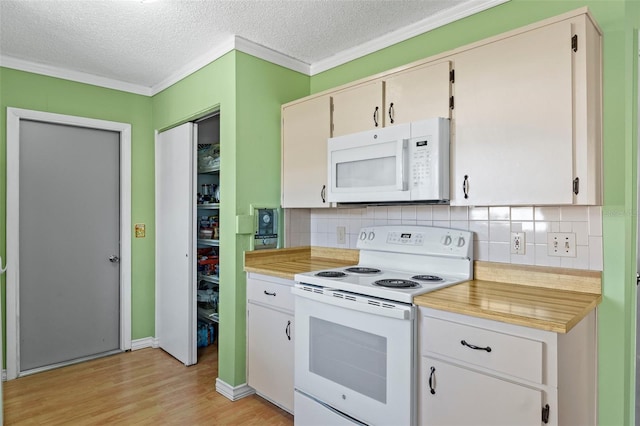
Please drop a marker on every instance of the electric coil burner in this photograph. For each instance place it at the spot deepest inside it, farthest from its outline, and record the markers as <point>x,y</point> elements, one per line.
<point>432,278</point>
<point>362,270</point>
<point>396,283</point>
<point>330,274</point>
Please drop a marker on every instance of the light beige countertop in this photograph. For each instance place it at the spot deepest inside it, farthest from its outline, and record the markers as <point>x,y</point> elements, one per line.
<point>285,263</point>
<point>553,299</point>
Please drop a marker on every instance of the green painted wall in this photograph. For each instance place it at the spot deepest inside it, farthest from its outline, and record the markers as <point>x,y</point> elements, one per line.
<point>36,92</point>
<point>619,20</point>
<point>248,92</point>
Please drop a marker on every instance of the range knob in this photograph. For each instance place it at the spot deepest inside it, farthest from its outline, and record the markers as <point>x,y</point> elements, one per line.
<point>461,241</point>
<point>363,236</point>
<point>372,235</point>
<point>447,240</point>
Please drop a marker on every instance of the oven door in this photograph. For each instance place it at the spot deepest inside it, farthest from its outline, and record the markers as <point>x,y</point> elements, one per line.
<point>369,166</point>
<point>356,357</point>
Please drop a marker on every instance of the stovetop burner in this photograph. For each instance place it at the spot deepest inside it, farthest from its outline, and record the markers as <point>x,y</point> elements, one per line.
<point>432,278</point>
<point>362,270</point>
<point>331,274</point>
<point>396,283</point>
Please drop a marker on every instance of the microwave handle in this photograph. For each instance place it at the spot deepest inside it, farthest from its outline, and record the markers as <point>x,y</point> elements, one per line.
<point>402,165</point>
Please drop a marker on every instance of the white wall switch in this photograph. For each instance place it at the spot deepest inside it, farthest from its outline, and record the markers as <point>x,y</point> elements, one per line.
<point>341,235</point>
<point>561,244</point>
<point>517,242</point>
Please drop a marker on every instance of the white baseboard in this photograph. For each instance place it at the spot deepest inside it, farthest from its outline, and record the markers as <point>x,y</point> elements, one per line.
<point>233,393</point>
<point>145,342</point>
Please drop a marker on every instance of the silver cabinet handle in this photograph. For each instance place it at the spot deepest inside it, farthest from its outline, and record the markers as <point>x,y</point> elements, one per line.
<point>114,259</point>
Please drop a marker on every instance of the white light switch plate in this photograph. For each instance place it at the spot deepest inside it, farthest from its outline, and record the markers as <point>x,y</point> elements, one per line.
<point>562,244</point>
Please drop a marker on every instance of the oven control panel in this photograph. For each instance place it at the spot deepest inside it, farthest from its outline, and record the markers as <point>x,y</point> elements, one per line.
<point>405,238</point>
<point>417,239</point>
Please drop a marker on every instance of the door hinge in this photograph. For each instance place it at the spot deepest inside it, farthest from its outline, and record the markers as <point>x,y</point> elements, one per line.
<point>452,76</point>
<point>451,103</point>
<point>574,43</point>
<point>545,414</point>
<point>576,186</point>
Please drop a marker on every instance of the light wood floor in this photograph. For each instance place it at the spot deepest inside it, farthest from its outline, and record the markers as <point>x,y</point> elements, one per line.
<point>134,388</point>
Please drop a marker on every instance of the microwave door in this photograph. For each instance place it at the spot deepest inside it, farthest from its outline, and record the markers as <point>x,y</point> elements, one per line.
<point>368,172</point>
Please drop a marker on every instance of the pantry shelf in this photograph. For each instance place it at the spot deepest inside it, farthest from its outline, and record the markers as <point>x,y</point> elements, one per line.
<point>209,278</point>
<point>208,314</point>
<point>209,206</point>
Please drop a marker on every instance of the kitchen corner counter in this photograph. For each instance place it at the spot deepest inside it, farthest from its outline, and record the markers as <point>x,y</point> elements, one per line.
<point>286,262</point>
<point>552,299</point>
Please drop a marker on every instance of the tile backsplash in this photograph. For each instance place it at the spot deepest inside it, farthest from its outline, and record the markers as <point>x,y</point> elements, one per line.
<point>492,227</point>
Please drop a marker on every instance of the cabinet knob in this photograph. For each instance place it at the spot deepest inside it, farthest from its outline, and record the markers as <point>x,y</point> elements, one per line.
<point>323,192</point>
<point>375,117</point>
<point>391,113</point>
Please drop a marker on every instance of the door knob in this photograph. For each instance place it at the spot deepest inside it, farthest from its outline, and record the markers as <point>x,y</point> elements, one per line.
<point>114,259</point>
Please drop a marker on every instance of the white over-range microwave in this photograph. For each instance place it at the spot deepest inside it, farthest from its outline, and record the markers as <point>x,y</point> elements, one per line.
<point>403,163</point>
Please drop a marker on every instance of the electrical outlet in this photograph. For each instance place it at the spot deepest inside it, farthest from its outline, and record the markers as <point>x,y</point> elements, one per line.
<point>561,244</point>
<point>341,235</point>
<point>517,242</point>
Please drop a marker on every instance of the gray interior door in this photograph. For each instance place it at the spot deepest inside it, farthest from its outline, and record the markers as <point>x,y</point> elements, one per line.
<point>69,289</point>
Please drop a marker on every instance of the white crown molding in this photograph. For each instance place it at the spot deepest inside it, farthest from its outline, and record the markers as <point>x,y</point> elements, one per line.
<point>237,43</point>
<point>448,16</point>
<point>203,60</point>
<point>77,76</point>
<point>270,55</point>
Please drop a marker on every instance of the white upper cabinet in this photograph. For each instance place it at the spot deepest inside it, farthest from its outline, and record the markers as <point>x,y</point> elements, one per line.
<point>405,96</point>
<point>418,93</point>
<point>358,109</point>
<point>306,126</point>
<point>527,118</point>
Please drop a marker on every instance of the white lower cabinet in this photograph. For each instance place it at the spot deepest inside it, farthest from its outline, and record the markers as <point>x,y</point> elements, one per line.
<point>270,338</point>
<point>460,396</point>
<point>475,371</point>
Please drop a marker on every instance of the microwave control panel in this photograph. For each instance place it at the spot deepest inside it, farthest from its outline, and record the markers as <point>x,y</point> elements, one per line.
<point>428,173</point>
<point>421,162</point>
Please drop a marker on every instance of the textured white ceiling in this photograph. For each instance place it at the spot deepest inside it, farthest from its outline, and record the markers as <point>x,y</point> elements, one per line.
<point>145,43</point>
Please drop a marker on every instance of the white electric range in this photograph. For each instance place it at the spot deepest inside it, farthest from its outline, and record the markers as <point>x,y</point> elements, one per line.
<point>356,326</point>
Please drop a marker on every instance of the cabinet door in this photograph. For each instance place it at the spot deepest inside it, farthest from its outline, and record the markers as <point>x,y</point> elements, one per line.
<point>418,94</point>
<point>270,354</point>
<point>513,120</point>
<point>306,126</point>
<point>358,109</point>
<point>465,397</point>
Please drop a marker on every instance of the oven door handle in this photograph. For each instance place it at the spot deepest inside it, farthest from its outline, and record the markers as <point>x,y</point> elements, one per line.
<point>402,313</point>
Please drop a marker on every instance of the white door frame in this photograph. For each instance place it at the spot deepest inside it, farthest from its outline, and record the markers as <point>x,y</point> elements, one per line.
<point>14,115</point>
